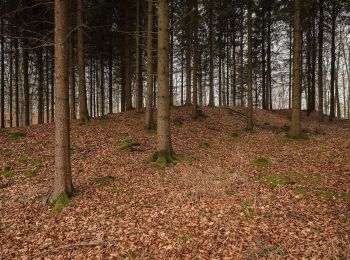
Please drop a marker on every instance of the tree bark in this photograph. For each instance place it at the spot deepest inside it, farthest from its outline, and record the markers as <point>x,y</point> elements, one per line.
<point>211,57</point>
<point>333,60</point>
<point>250,68</point>
<point>164,149</point>
<point>149,104</point>
<point>295,130</point>
<point>83,111</point>
<point>63,181</point>
<point>320,62</point>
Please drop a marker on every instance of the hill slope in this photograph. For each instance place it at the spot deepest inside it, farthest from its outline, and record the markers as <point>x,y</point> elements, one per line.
<point>232,194</point>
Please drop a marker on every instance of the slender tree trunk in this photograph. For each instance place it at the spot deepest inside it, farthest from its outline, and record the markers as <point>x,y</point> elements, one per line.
<point>47,86</point>
<point>63,180</point>
<point>72,60</point>
<point>39,55</point>
<point>171,80</point>
<point>290,57</point>
<point>263,63</point>
<point>102,87</point>
<point>11,83</point>
<point>250,68</point>
<point>195,108</point>
<point>295,130</point>
<point>333,60</point>
<point>164,149</point>
<point>53,86</point>
<point>320,62</point>
<point>242,59</point>
<point>17,82</point>
<point>220,79</point>
<point>83,111</point>
<point>138,59</point>
<point>234,63</point>
<point>110,79</point>
<point>211,57</point>
<point>182,77</point>
<point>2,76</point>
<point>268,72</point>
<point>189,46</point>
<point>25,64</point>
<point>149,107</point>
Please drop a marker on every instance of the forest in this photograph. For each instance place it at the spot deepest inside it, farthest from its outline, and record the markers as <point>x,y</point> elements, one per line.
<point>174,129</point>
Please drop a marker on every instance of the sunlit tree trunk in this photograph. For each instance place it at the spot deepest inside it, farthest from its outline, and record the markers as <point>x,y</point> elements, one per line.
<point>250,68</point>
<point>211,57</point>
<point>320,62</point>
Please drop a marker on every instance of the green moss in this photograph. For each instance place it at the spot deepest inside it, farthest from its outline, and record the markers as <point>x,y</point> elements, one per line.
<point>187,237</point>
<point>345,196</point>
<point>234,135</point>
<point>314,178</point>
<point>246,203</point>
<point>324,193</point>
<point>7,172</point>
<point>261,162</point>
<point>297,176</point>
<point>127,146</point>
<point>249,214</point>
<point>230,193</point>
<point>179,121</point>
<point>34,162</point>
<point>163,158</point>
<point>17,136</point>
<point>104,181</point>
<point>275,180</point>
<point>118,190</point>
<point>150,130</point>
<point>29,173</point>
<point>74,148</point>
<point>62,202</point>
<point>123,134</point>
<point>205,145</point>
<point>303,191</point>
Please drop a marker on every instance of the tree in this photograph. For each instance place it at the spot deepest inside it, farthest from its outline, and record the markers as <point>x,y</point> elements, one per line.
<point>320,62</point>
<point>149,100</point>
<point>250,68</point>
<point>63,185</point>
<point>295,130</point>
<point>164,153</point>
<point>83,111</point>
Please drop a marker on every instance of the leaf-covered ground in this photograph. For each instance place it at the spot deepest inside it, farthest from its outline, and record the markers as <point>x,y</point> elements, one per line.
<point>232,195</point>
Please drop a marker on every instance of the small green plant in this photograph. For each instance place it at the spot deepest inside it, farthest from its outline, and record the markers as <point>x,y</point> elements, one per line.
<point>261,162</point>
<point>62,202</point>
<point>325,193</point>
<point>205,145</point>
<point>104,181</point>
<point>179,121</point>
<point>303,191</point>
<point>29,173</point>
<point>187,238</point>
<point>17,136</point>
<point>275,180</point>
<point>34,162</point>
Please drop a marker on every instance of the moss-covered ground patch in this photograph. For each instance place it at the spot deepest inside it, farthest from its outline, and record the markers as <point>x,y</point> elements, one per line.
<point>104,180</point>
<point>7,172</point>
<point>261,162</point>
<point>62,202</point>
<point>17,136</point>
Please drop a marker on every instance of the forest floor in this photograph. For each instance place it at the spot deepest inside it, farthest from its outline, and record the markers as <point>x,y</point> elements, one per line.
<point>232,194</point>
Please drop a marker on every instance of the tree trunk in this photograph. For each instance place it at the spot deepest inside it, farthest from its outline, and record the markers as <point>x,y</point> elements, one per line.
<point>39,55</point>
<point>195,109</point>
<point>139,87</point>
<point>189,46</point>
<point>110,79</point>
<point>2,74</point>
<point>242,59</point>
<point>211,57</point>
<point>149,107</point>
<point>295,130</point>
<point>72,60</point>
<point>63,181</point>
<point>263,63</point>
<point>47,86</point>
<point>164,149</point>
<point>250,68</point>
<point>83,111</point>
<point>53,86</point>
<point>25,64</point>
<point>332,92</point>
<point>17,82</point>
<point>268,72</point>
<point>102,86</point>
<point>320,62</point>
<point>11,83</point>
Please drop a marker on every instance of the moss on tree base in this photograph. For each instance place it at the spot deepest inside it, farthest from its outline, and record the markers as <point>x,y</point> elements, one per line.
<point>164,158</point>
